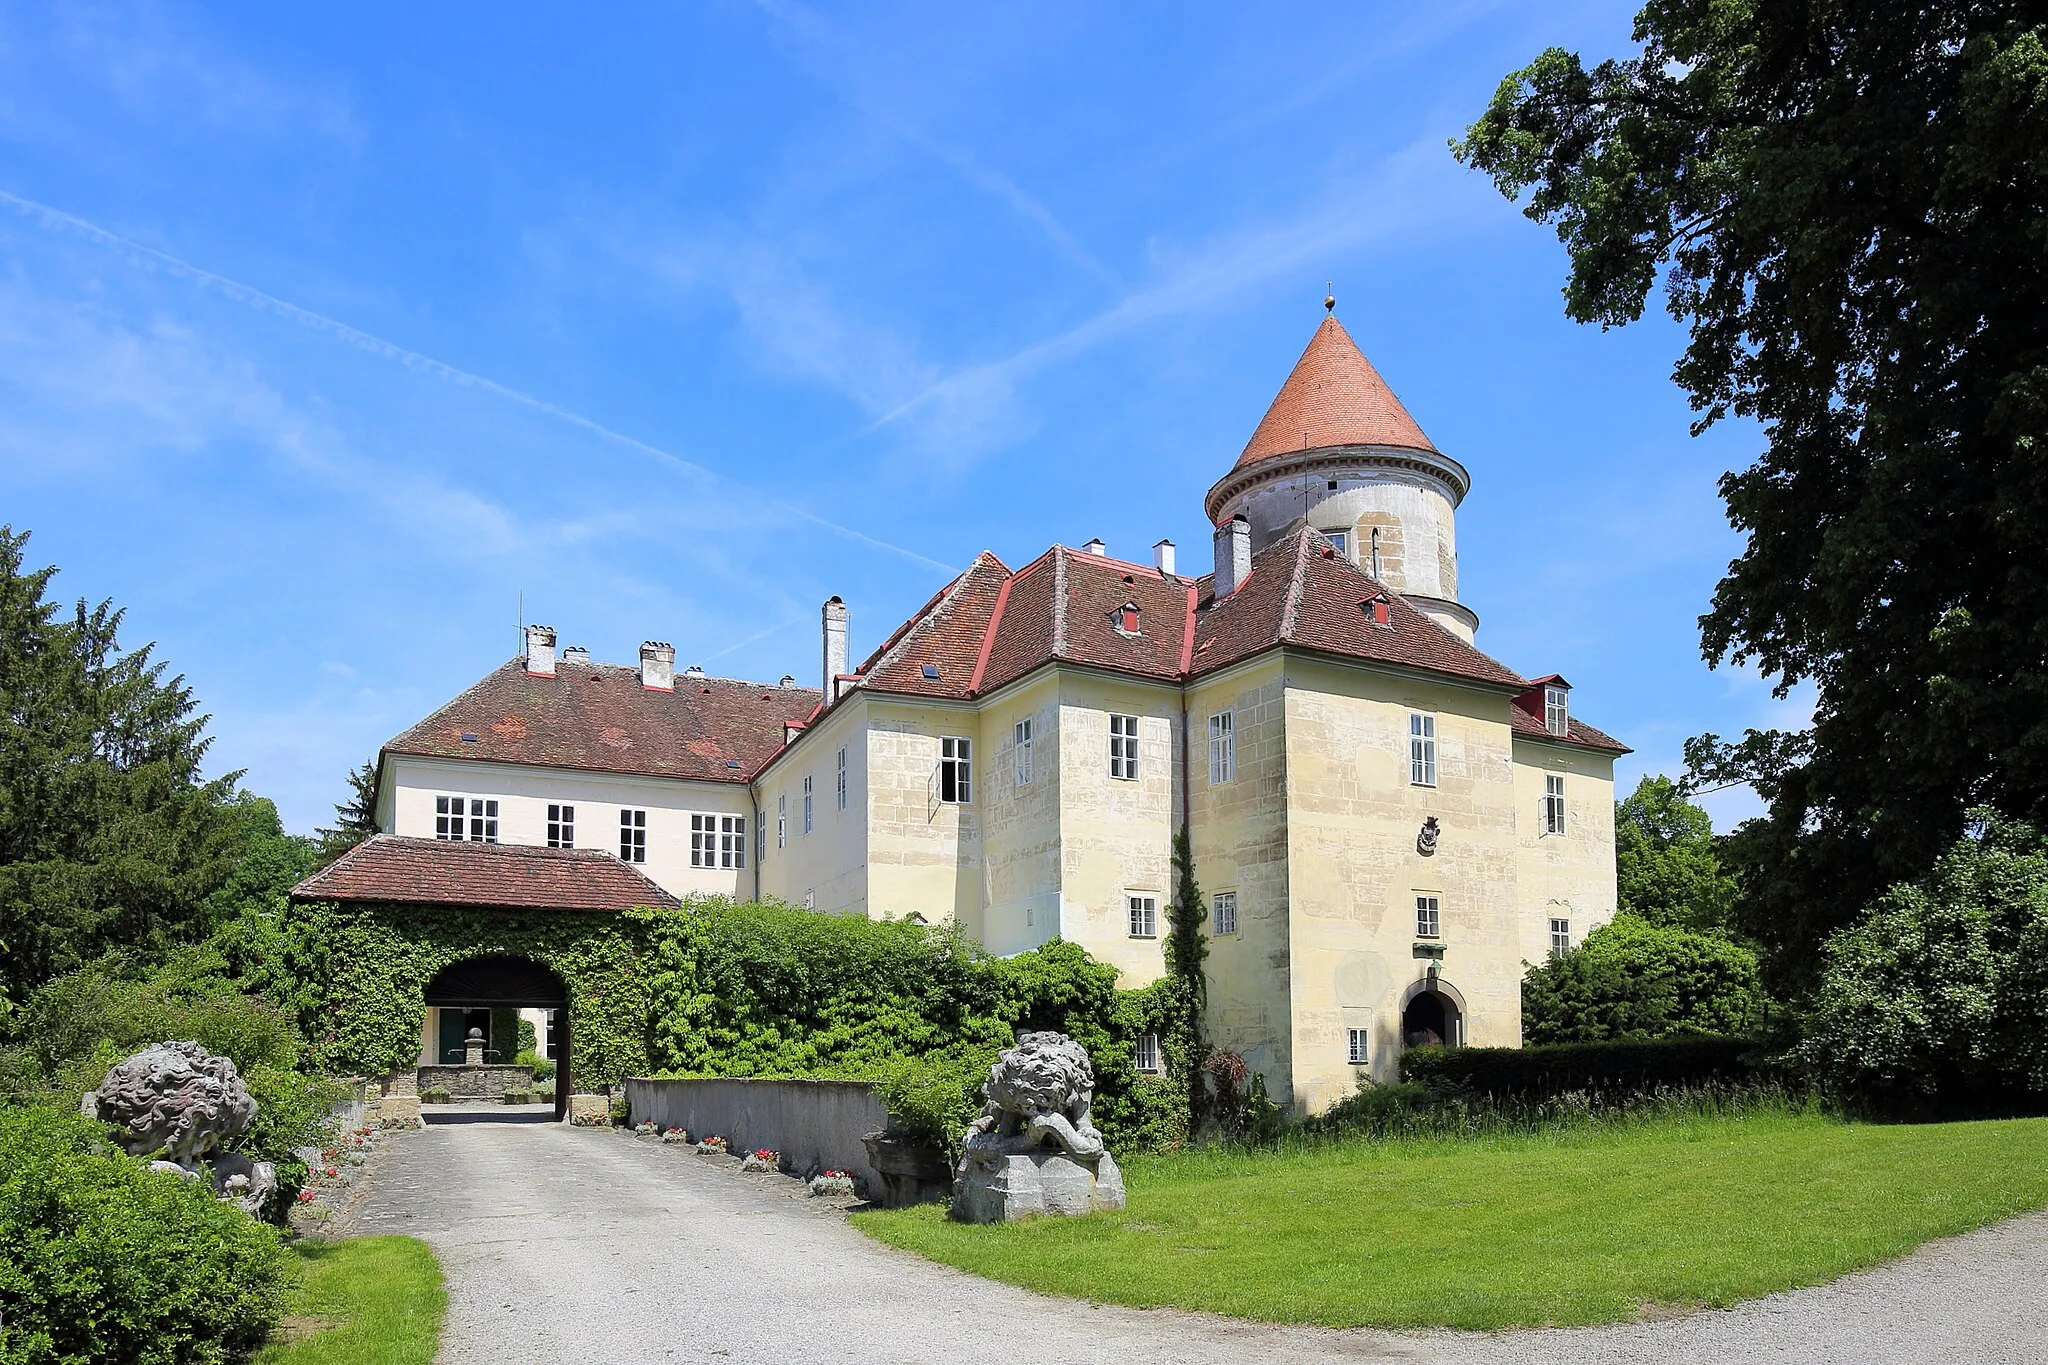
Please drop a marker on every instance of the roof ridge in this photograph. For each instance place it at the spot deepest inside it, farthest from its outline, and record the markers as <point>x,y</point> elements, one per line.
<point>988,636</point>
<point>1290,614</point>
<point>1059,604</point>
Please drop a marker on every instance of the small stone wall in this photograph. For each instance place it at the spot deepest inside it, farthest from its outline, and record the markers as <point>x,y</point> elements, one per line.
<point>476,1082</point>
<point>815,1125</point>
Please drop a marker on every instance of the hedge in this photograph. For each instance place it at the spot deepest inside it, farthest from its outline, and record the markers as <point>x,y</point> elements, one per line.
<point>1594,1068</point>
<point>103,1259</point>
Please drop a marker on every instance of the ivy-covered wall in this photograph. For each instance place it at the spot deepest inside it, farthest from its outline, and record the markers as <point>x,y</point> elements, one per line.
<point>357,977</point>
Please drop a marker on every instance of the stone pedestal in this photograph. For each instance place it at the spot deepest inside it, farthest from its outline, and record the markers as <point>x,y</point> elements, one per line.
<point>1045,1181</point>
<point>593,1111</point>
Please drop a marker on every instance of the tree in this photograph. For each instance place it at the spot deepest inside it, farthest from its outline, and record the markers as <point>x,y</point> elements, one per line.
<point>1938,998</point>
<point>1187,978</point>
<point>1849,202</point>
<point>1666,869</point>
<point>1632,979</point>
<point>354,819</point>
<point>109,835</point>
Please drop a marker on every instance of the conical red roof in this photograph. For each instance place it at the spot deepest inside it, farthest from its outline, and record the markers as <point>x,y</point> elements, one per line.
<point>1334,398</point>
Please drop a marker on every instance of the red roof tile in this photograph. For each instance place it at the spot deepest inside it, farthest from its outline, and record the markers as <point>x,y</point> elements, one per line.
<point>599,718</point>
<point>389,869</point>
<point>1334,397</point>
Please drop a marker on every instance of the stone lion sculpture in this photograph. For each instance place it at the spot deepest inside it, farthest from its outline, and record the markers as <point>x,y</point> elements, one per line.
<point>181,1104</point>
<point>1038,1092</point>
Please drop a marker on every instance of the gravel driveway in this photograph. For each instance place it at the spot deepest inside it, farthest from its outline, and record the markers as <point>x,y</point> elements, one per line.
<point>566,1244</point>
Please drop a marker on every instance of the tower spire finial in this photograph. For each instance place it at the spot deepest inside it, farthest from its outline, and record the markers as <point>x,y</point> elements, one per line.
<point>1330,298</point>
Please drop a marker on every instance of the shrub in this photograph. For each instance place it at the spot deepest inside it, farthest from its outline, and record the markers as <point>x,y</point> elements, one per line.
<point>1633,1067</point>
<point>102,1259</point>
<point>1938,999</point>
<point>1631,979</point>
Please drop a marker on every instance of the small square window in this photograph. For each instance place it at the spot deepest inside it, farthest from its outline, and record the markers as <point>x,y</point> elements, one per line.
<point>1225,907</point>
<point>1144,912</point>
<point>1428,918</point>
<point>1340,541</point>
<point>1359,1050</point>
<point>931,671</point>
<point>1148,1054</point>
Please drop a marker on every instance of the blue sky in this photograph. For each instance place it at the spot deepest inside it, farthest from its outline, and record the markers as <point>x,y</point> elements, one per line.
<point>326,337</point>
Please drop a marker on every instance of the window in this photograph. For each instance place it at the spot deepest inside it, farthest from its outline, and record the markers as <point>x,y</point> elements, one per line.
<point>810,900</point>
<point>840,795</point>
<point>1127,619</point>
<point>1553,803</point>
<point>1428,921</point>
<point>1421,750</point>
<point>718,841</point>
<point>561,826</point>
<point>1560,936</point>
<point>1557,711</point>
<point>782,821</point>
<point>760,834</point>
<point>1123,747</point>
<point>1222,748</point>
<point>1225,907</point>
<point>1144,916</point>
<point>1020,753</point>
<point>480,825</point>
<point>1148,1053</point>
<point>1361,1046</point>
<point>807,803</point>
<point>1340,541</point>
<point>633,836</point>
<point>956,770</point>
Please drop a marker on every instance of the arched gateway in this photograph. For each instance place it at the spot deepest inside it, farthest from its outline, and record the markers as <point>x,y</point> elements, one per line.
<point>425,940</point>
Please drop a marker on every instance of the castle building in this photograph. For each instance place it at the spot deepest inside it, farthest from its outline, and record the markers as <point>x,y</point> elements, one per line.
<point>1387,824</point>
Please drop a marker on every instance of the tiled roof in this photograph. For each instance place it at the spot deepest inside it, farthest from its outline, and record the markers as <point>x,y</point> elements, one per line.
<point>944,636</point>
<point>1334,397</point>
<point>598,717</point>
<point>388,869</point>
<point>1525,717</point>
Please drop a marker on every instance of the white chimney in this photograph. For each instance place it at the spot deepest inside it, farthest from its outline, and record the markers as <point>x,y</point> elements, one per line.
<point>658,666</point>
<point>694,671</point>
<point>576,654</point>
<point>1162,556</point>
<point>540,651</point>
<point>1096,547</point>
<point>1233,555</point>
<point>835,646</point>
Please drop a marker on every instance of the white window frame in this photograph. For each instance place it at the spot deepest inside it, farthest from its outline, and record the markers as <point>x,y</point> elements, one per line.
<point>466,819</point>
<point>1560,935</point>
<point>807,803</point>
<point>1223,747</point>
<point>1429,915</point>
<point>1557,710</point>
<point>1147,1055</point>
<point>1340,541</point>
<point>840,791</point>
<point>956,770</point>
<point>782,820</point>
<point>1143,909</point>
<point>1421,749</point>
<point>1223,913</point>
<point>760,834</point>
<point>1020,752</point>
<point>1123,747</point>
<point>632,835</point>
<point>1358,1046</point>
<point>718,841</point>
<point>561,825</point>
<point>1553,804</point>
<point>450,814</point>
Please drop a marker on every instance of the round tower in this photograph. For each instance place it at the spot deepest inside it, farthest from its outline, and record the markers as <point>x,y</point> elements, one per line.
<point>1338,448</point>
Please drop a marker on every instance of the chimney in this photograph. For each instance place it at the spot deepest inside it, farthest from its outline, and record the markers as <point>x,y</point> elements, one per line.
<point>1162,556</point>
<point>788,680</point>
<point>693,671</point>
<point>835,646</point>
<point>540,651</point>
<point>1096,547</point>
<point>1233,555</point>
<point>576,654</point>
<point>658,666</point>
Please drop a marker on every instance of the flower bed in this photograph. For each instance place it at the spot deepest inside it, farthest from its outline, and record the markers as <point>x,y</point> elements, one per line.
<point>675,1135</point>
<point>761,1159</point>
<point>713,1146</point>
<point>832,1182</point>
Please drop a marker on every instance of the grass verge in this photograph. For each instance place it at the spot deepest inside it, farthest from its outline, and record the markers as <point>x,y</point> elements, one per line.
<point>1591,1224</point>
<point>364,1301</point>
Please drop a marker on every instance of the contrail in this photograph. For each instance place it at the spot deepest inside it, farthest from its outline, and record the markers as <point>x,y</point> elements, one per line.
<point>251,297</point>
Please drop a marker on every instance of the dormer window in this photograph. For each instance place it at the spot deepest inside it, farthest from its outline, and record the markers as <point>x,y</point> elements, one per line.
<point>1557,715</point>
<point>1378,610</point>
<point>1127,621</point>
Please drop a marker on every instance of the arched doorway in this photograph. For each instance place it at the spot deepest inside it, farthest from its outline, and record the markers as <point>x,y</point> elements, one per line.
<point>488,993</point>
<point>1431,1018</point>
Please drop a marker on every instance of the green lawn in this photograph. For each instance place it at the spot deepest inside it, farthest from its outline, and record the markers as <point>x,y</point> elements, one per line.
<point>1586,1226</point>
<point>365,1301</point>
